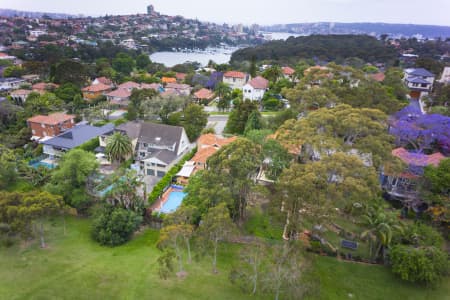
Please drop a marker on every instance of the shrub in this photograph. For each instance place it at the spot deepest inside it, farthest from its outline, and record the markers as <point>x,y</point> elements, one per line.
<point>90,145</point>
<point>158,189</point>
<point>424,264</point>
<point>114,226</point>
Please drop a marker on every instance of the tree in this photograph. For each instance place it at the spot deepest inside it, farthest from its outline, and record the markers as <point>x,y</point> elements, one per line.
<point>165,262</point>
<point>381,227</point>
<point>20,210</point>
<point>421,132</point>
<point>239,116</point>
<point>67,92</point>
<point>184,217</point>
<point>142,61</point>
<point>172,236</point>
<point>194,120</point>
<point>435,186</point>
<point>252,70</point>
<point>42,104</point>
<point>124,193</point>
<point>422,264</point>
<point>118,147</point>
<point>13,71</point>
<point>272,73</point>
<point>313,191</point>
<point>237,163</point>
<point>222,90</point>
<point>276,157</point>
<point>136,99</point>
<point>123,63</point>
<point>114,226</point>
<point>8,167</point>
<point>70,177</point>
<point>249,271</point>
<point>161,107</point>
<point>70,71</point>
<point>254,122</point>
<point>215,227</point>
<point>342,128</point>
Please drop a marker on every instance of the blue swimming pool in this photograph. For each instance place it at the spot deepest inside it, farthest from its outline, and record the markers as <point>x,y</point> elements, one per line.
<point>173,202</point>
<point>42,164</point>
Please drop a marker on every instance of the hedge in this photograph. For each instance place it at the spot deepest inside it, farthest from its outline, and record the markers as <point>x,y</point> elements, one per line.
<point>90,145</point>
<point>158,190</point>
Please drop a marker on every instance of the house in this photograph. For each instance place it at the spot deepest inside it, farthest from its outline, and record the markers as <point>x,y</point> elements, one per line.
<point>103,80</point>
<point>95,90</point>
<point>129,86</point>
<point>51,125</point>
<point>180,77</point>
<point>11,83</point>
<point>207,145</point>
<point>152,86</point>
<point>403,186</point>
<point>235,79</point>
<point>74,137</point>
<point>119,97</point>
<point>204,95</point>
<point>419,81</point>
<point>31,78</point>
<point>179,89</point>
<point>255,89</point>
<point>44,87</point>
<point>166,80</point>
<point>445,78</point>
<point>20,96</point>
<point>157,147</point>
<point>288,72</point>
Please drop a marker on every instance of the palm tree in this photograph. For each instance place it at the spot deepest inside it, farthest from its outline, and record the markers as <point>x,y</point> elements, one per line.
<point>381,228</point>
<point>118,147</point>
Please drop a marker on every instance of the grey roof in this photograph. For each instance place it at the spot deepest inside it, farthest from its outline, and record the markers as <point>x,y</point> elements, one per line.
<point>12,79</point>
<point>421,72</point>
<point>154,134</point>
<point>165,156</point>
<point>78,135</point>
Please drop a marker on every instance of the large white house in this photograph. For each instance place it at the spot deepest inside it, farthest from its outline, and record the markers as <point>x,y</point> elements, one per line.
<point>235,79</point>
<point>157,147</point>
<point>255,89</point>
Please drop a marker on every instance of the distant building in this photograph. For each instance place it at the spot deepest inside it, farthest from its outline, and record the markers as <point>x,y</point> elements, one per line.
<point>95,90</point>
<point>11,83</point>
<point>51,125</point>
<point>445,78</point>
<point>150,9</point>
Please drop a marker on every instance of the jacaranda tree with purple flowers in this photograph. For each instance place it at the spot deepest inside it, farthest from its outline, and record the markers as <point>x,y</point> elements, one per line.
<point>421,132</point>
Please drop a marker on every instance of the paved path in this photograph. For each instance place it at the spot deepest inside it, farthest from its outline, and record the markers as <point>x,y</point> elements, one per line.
<point>218,122</point>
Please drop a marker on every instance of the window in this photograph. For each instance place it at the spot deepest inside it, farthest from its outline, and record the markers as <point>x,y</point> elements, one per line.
<point>150,172</point>
<point>145,145</point>
<point>42,125</point>
<point>33,131</point>
<point>161,166</point>
<point>142,154</point>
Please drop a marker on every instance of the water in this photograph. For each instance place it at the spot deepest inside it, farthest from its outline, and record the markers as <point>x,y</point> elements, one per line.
<point>173,202</point>
<point>170,59</point>
<point>42,164</point>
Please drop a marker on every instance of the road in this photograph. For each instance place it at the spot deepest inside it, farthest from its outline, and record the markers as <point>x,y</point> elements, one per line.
<point>218,122</point>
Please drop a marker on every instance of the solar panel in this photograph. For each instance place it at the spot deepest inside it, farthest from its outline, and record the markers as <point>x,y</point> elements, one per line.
<point>349,244</point>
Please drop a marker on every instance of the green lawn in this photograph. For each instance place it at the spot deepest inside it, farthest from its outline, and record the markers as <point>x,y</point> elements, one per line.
<point>74,267</point>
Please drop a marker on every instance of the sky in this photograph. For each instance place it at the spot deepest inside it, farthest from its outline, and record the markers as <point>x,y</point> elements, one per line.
<point>264,12</point>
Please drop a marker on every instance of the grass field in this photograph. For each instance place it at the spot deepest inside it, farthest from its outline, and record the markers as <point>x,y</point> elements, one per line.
<point>74,267</point>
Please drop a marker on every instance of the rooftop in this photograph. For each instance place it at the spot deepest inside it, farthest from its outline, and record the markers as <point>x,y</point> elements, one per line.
<point>259,83</point>
<point>418,159</point>
<point>52,119</point>
<point>234,74</point>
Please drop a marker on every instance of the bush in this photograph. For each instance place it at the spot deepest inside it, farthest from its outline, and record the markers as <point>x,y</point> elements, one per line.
<point>424,264</point>
<point>90,146</point>
<point>422,235</point>
<point>158,189</point>
<point>114,226</point>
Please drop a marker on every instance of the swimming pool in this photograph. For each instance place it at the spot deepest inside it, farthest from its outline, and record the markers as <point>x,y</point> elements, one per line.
<point>173,202</point>
<point>42,164</point>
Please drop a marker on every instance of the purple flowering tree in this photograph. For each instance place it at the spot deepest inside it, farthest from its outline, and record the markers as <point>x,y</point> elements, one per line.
<point>422,132</point>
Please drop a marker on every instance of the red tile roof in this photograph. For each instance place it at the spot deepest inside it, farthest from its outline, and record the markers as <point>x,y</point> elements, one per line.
<point>180,76</point>
<point>288,71</point>
<point>100,87</point>
<point>204,94</point>
<point>259,83</point>
<point>203,154</point>
<point>378,76</point>
<point>52,119</point>
<point>418,159</point>
<point>149,86</point>
<point>104,80</point>
<point>120,93</point>
<point>234,74</point>
<point>41,86</point>
<point>206,140</point>
<point>129,85</point>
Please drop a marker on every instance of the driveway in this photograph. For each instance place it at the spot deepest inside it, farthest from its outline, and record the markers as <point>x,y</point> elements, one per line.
<point>217,122</point>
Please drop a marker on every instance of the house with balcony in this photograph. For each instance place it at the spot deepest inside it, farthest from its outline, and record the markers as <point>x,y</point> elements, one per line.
<point>56,146</point>
<point>235,79</point>
<point>419,81</point>
<point>403,186</point>
<point>49,126</point>
<point>255,89</point>
<point>157,147</point>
